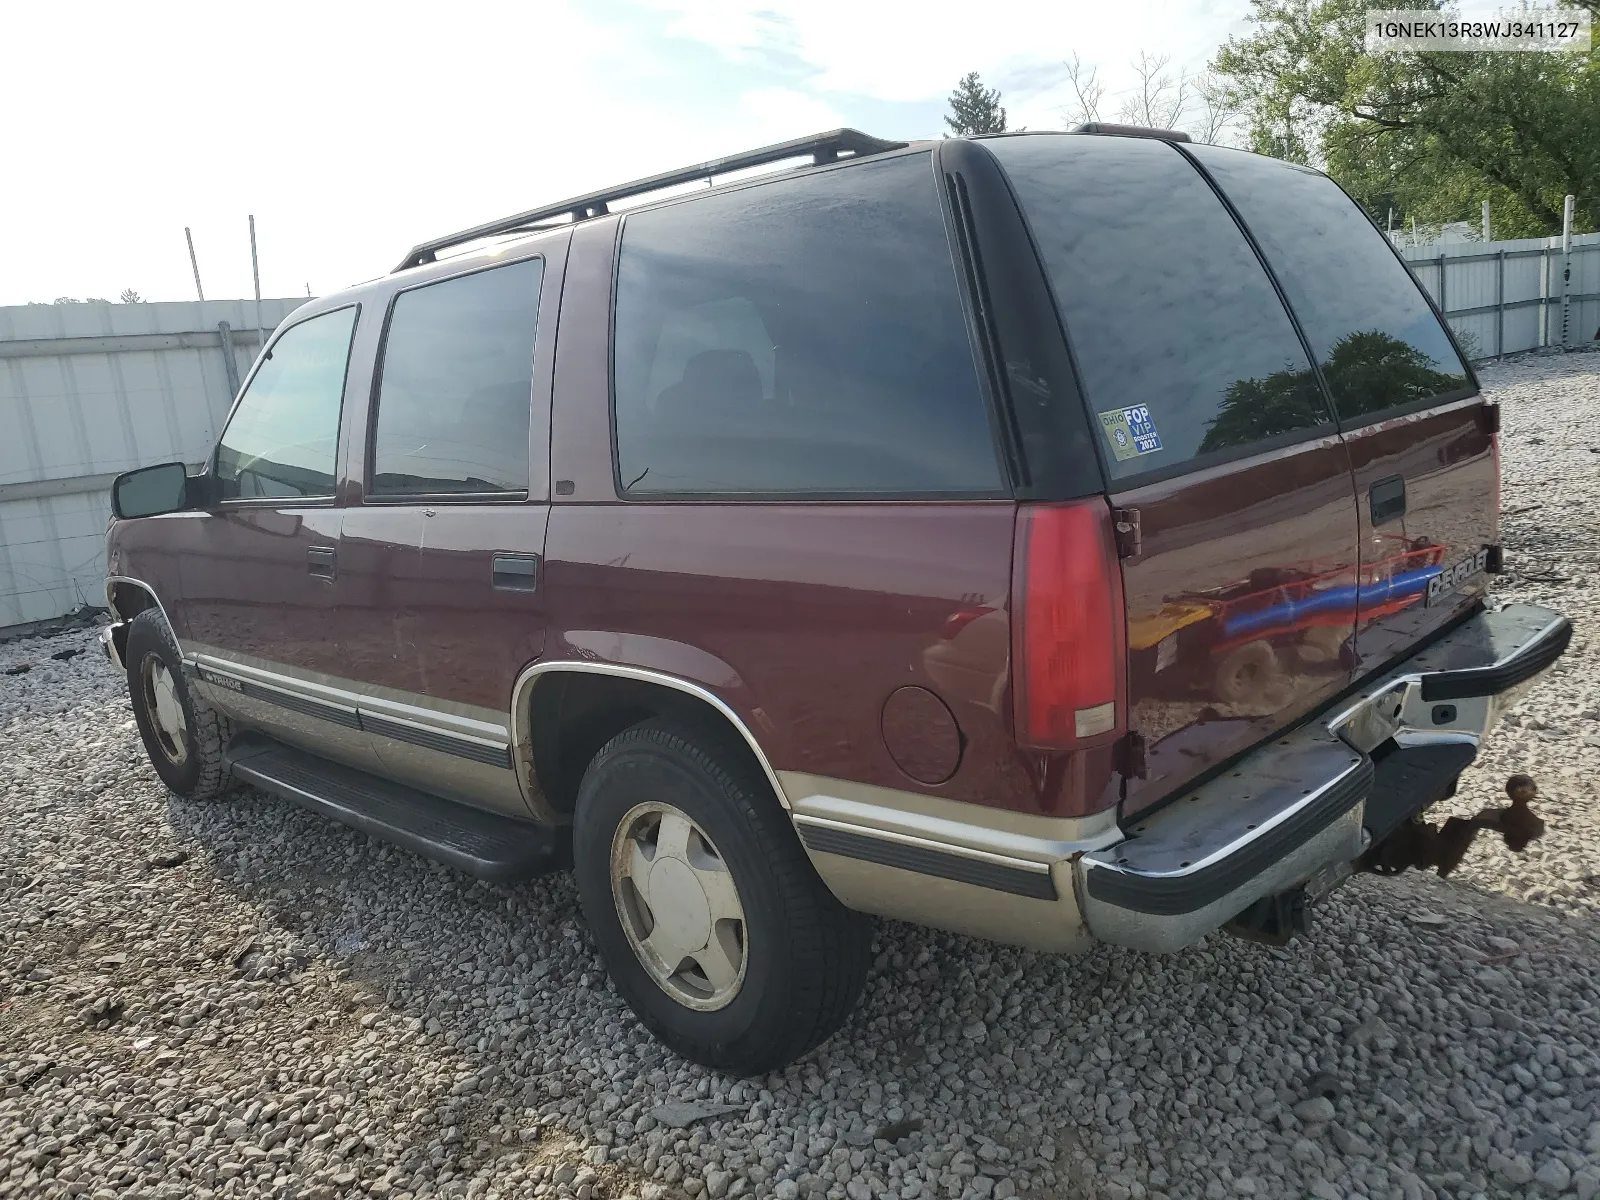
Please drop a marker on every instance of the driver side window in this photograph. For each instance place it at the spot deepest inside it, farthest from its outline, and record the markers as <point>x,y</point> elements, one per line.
<point>284,435</point>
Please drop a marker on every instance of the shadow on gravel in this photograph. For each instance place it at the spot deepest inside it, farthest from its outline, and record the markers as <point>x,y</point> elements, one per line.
<point>1424,1031</point>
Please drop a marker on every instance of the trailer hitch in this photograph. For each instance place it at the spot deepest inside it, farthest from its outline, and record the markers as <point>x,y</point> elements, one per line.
<point>1426,846</point>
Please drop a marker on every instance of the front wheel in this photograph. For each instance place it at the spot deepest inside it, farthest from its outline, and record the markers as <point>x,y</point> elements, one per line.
<point>711,920</point>
<point>183,735</point>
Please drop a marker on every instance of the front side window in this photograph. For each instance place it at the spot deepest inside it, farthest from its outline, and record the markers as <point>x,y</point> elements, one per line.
<point>455,397</point>
<point>1378,342</point>
<point>284,434</point>
<point>1183,347</point>
<point>798,336</point>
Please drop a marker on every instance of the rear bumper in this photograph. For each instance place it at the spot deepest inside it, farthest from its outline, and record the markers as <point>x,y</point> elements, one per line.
<point>1294,812</point>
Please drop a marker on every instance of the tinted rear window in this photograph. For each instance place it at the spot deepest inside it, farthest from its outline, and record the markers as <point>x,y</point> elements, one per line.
<point>1183,347</point>
<point>803,335</point>
<point>1374,335</point>
<point>455,398</point>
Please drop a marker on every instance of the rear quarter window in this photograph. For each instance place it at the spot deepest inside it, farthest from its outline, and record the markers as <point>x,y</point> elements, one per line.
<point>1376,338</point>
<point>1183,348</point>
<point>798,336</point>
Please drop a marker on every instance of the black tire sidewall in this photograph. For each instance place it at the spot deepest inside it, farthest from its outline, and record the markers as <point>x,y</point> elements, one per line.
<point>641,770</point>
<point>147,637</point>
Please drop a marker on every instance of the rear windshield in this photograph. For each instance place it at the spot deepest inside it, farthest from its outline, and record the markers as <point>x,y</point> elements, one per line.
<point>1183,348</point>
<point>1378,342</point>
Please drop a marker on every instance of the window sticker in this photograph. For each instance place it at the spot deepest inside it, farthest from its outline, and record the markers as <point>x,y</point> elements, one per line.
<point>1131,431</point>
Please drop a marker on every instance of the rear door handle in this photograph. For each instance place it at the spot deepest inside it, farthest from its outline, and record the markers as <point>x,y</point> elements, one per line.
<point>1387,499</point>
<point>516,572</point>
<point>319,561</point>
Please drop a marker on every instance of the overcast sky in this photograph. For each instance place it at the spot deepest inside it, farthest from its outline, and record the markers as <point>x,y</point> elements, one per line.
<point>353,130</point>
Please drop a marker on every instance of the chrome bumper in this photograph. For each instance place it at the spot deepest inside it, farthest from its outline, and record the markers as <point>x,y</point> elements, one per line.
<point>112,638</point>
<point>1290,810</point>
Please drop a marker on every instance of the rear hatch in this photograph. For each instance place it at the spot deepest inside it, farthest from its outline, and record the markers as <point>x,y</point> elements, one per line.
<point>1256,426</point>
<point>1422,442</point>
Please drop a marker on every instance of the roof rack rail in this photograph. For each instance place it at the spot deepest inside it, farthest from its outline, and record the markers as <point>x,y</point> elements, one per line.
<point>1166,135</point>
<point>823,148</point>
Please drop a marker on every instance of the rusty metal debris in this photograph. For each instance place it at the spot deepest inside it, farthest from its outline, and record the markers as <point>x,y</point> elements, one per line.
<point>1426,846</point>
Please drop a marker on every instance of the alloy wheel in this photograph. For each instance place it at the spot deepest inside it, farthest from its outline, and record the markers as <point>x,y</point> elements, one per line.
<point>679,906</point>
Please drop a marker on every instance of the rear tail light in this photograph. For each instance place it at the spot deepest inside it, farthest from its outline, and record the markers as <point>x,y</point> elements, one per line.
<point>1069,680</point>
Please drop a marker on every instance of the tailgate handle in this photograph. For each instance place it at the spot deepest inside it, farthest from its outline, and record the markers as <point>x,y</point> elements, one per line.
<point>319,561</point>
<point>516,572</point>
<point>1387,498</point>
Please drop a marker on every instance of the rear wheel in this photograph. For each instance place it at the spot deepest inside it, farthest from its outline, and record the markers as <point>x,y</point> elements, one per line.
<point>712,922</point>
<point>183,735</point>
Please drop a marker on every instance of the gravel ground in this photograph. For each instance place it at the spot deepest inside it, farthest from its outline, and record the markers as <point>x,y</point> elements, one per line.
<point>246,1000</point>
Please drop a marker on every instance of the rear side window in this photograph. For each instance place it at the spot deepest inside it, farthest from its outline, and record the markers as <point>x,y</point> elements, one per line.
<point>284,433</point>
<point>455,398</point>
<point>1183,348</point>
<point>1376,338</point>
<point>803,335</point>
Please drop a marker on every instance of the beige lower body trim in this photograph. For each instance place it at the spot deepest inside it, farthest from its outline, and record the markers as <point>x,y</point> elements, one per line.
<point>990,873</point>
<point>453,750</point>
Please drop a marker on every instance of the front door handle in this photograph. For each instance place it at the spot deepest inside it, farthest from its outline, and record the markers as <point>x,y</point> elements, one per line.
<point>515,572</point>
<point>319,561</point>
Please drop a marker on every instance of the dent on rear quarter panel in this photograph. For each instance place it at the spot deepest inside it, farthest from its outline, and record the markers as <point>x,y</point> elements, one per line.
<point>805,618</point>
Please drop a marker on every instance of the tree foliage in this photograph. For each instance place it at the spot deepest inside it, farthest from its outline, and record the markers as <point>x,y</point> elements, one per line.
<point>974,108</point>
<point>1430,135</point>
<point>1368,371</point>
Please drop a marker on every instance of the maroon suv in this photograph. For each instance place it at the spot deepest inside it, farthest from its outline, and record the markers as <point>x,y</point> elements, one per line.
<point>1053,538</point>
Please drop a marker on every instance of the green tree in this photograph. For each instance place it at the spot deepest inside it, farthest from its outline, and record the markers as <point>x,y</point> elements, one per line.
<point>1430,134</point>
<point>1368,371</point>
<point>1254,409</point>
<point>975,108</point>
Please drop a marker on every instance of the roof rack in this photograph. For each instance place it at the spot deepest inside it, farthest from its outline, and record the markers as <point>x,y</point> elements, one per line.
<point>1166,135</point>
<point>823,148</point>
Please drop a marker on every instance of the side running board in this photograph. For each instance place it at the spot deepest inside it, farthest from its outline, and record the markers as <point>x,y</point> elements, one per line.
<point>491,846</point>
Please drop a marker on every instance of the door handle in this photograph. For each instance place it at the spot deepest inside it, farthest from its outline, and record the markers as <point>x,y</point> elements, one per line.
<point>319,561</point>
<point>515,572</point>
<point>1387,499</point>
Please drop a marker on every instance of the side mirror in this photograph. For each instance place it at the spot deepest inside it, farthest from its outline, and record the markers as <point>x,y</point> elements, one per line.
<point>150,491</point>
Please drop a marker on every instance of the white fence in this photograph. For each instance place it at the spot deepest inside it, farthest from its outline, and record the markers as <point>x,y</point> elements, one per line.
<point>90,390</point>
<point>1503,297</point>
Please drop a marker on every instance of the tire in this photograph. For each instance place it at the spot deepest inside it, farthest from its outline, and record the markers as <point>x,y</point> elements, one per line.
<point>802,956</point>
<point>190,761</point>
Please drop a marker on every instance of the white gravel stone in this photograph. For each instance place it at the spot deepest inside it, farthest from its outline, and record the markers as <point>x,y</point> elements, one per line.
<point>295,1009</point>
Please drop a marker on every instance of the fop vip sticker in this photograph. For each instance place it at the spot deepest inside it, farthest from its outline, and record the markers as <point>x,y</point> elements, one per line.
<point>1131,431</point>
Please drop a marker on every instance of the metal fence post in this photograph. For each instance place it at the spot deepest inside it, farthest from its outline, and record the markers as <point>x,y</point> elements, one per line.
<point>1566,274</point>
<point>1499,303</point>
<point>1444,309</point>
<point>229,363</point>
<point>1544,295</point>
